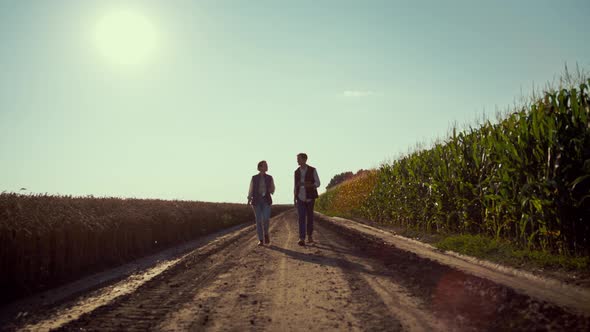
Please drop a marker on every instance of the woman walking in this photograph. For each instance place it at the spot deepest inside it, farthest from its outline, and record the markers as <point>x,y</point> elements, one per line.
<point>261,187</point>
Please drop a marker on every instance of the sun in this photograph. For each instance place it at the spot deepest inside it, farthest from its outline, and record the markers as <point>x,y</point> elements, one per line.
<point>126,37</point>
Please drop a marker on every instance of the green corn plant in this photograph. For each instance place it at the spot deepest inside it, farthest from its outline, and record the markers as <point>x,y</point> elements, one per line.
<point>525,179</point>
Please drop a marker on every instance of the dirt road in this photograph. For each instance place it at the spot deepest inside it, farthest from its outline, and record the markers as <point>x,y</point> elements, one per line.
<point>343,281</point>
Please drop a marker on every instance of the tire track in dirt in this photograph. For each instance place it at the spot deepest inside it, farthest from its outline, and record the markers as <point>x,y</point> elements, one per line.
<point>462,301</point>
<point>346,280</point>
<point>236,285</point>
<point>264,291</point>
<point>66,303</point>
<point>231,296</point>
<point>543,289</point>
<point>285,287</point>
<point>412,312</point>
<point>143,309</point>
<point>309,286</point>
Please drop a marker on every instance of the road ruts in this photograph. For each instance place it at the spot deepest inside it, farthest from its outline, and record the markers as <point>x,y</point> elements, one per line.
<point>344,281</point>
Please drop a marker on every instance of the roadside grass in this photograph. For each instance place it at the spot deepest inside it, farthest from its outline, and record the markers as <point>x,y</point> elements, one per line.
<point>568,269</point>
<point>506,253</point>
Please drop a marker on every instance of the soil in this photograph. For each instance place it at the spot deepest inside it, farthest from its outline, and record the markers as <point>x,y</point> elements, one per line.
<point>580,277</point>
<point>348,279</point>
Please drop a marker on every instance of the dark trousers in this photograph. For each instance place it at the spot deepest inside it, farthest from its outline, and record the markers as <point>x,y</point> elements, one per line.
<point>305,212</point>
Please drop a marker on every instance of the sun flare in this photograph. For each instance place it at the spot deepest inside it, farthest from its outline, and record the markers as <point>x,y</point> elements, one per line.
<point>126,37</point>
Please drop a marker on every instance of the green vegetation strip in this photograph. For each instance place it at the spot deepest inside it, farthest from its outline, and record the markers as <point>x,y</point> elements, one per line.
<point>506,253</point>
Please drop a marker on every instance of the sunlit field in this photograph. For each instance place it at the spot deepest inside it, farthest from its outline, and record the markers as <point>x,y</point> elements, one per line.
<point>46,240</point>
<point>524,179</point>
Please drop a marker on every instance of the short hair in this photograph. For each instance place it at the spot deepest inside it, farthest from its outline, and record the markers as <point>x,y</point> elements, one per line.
<point>302,155</point>
<point>260,163</point>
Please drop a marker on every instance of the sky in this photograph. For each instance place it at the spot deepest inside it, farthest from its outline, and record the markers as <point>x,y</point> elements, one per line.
<point>181,99</point>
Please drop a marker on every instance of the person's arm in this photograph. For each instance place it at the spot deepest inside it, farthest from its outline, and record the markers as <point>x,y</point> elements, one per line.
<point>251,191</point>
<point>272,185</point>
<point>295,190</point>
<point>316,178</point>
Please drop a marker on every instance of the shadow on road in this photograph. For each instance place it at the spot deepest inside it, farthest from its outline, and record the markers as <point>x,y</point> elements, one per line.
<point>326,261</point>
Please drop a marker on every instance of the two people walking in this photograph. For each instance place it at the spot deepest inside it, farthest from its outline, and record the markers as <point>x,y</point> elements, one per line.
<point>306,182</point>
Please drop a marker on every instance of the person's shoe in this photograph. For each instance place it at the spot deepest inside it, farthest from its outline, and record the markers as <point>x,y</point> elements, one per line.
<point>301,242</point>
<point>260,243</point>
<point>266,239</point>
<point>309,239</point>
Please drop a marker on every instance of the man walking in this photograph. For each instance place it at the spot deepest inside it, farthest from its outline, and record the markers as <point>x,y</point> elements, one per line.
<point>305,192</point>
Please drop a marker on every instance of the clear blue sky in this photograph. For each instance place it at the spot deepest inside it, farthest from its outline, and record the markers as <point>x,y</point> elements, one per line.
<point>182,102</point>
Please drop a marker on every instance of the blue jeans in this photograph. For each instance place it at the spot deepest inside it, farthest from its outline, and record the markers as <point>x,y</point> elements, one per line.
<point>262,212</point>
<point>305,213</point>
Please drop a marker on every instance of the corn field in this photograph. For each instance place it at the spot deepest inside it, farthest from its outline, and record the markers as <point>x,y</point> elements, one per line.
<point>48,240</point>
<point>346,199</point>
<point>525,179</point>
